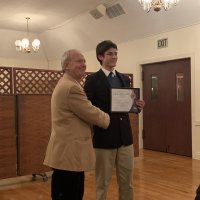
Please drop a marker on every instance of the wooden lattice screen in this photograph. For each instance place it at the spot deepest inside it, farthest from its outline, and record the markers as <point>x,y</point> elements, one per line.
<point>6,81</point>
<point>32,81</point>
<point>39,81</point>
<point>35,81</point>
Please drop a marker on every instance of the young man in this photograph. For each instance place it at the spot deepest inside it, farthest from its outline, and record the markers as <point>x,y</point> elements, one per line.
<point>113,146</point>
<point>70,150</point>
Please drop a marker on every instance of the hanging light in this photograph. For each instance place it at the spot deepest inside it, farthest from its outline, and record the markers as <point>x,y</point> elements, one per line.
<point>24,44</point>
<point>157,4</point>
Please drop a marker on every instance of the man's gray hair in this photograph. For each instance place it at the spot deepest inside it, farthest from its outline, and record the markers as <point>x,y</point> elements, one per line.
<point>66,57</point>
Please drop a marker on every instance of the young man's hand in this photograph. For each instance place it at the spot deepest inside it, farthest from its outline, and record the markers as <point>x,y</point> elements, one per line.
<point>140,104</point>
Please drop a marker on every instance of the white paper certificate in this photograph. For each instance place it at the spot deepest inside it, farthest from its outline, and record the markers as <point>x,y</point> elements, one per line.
<point>122,99</point>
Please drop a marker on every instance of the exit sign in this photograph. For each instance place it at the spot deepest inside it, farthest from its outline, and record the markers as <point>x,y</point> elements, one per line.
<point>162,43</point>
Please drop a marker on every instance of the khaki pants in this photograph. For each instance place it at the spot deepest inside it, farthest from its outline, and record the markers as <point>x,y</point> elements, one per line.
<point>106,160</point>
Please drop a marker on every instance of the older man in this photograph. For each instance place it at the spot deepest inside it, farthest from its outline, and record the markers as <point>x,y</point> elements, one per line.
<point>70,150</point>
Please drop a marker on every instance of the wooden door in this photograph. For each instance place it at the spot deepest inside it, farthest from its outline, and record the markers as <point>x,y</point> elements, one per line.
<point>167,114</point>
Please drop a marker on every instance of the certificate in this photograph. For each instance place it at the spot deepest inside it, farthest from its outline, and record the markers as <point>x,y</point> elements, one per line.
<point>123,99</point>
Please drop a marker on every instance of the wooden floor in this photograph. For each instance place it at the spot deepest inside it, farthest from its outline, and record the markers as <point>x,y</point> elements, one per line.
<point>156,176</point>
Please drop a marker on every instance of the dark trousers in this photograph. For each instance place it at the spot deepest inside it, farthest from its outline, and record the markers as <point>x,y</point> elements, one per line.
<point>197,193</point>
<point>67,185</point>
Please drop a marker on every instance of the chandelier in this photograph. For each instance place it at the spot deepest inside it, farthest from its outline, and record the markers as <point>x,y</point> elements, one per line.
<point>157,4</point>
<point>24,44</point>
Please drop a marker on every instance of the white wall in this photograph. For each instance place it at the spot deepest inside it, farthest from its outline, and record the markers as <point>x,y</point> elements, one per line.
<point>5,62</point>
<point>9,57</point>
<point>181,43</point>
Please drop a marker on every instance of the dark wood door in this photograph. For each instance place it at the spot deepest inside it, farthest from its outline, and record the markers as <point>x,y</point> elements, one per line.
<point>167,113</point>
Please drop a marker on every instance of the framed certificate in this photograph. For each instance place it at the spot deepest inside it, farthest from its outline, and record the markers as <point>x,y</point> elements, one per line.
<point>123,99</point>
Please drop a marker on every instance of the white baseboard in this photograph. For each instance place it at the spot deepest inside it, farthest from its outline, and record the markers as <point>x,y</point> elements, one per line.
<point>196,156</point>
<point>197,123</point>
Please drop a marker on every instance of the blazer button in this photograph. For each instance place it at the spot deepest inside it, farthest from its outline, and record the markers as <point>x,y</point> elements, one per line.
<point>121,119</point>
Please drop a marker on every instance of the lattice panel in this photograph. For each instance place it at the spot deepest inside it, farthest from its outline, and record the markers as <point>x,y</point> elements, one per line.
<point>82,83</point>
<point>35,81</point>
<point>5,80</point>
<point>54,77</point>
<point>131,78</point>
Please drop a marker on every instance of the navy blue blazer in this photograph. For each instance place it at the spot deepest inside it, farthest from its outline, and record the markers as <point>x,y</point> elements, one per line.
<point>97,89</point>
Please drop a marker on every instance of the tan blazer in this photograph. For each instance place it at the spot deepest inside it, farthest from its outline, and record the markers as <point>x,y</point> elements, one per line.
<point>70,145</point>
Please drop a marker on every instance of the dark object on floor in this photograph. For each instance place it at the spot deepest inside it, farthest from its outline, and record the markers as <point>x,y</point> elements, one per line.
<point>197,193</point>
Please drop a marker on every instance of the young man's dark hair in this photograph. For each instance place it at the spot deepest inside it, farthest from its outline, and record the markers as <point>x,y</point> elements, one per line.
<point>103,46</point>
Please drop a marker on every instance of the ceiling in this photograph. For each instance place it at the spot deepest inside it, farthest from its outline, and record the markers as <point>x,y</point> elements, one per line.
<point>70,23</point>
<point>44,14</point>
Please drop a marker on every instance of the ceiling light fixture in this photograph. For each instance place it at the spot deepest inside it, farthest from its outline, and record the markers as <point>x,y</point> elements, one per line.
<point>24,44</point>
<point>157,4</point>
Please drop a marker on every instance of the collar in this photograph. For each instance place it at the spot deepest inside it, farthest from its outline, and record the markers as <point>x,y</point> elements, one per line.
<point>66,75</point>
<point>106,72</point>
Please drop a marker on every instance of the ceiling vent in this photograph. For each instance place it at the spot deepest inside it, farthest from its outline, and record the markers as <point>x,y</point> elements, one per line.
<point>115,10</point>
<point>98,12</point>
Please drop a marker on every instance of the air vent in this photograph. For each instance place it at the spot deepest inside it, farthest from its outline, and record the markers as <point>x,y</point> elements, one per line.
<point>115,10</point>
<point>98,12</point>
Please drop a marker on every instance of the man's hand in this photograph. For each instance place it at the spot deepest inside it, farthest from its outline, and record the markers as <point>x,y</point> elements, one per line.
<point>140,104</point>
